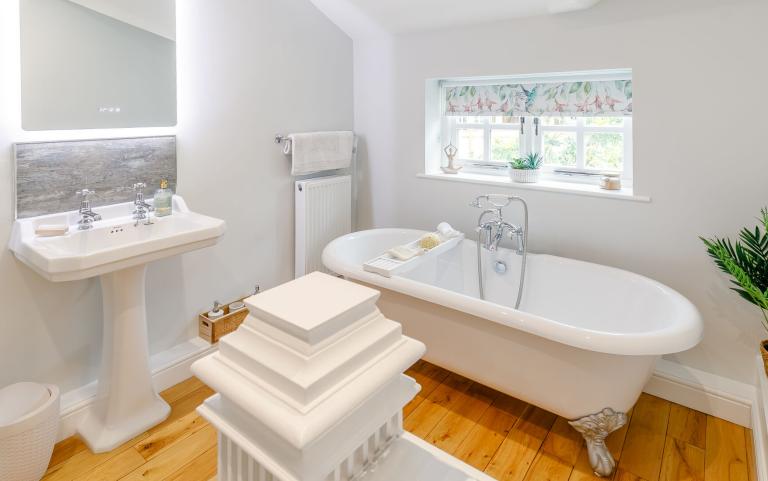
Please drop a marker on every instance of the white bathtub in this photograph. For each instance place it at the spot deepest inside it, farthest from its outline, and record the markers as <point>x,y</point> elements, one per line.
<point>586,336</point>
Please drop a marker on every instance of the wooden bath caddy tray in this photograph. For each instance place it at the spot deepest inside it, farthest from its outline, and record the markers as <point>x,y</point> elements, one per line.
<point>213,330</point>
<point>386,265</point>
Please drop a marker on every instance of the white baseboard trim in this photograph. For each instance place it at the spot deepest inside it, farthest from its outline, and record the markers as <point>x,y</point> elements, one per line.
<point>759,414</point>
<point>702,391</point>
<point>169,368</point>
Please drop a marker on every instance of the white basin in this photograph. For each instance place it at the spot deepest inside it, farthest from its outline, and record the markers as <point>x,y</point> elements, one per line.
<point>114,243</point>
<point>116,249</point>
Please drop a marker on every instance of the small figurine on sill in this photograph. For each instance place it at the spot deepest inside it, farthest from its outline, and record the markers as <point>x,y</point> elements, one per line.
<point>451,152</point>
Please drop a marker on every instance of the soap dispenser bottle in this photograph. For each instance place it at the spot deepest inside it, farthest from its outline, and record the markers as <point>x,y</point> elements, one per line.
<point>163,200</point>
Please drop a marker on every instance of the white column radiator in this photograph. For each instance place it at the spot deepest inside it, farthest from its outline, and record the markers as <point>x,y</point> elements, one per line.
<point>323,213</point>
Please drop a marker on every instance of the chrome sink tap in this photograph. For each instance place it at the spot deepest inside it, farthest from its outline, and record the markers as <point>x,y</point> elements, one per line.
<point>142,209</point>
<point>87,215</point>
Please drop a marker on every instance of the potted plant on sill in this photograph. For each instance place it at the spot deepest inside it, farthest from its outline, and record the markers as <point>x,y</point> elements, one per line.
<point>526,169</point>
<point>746,261</point>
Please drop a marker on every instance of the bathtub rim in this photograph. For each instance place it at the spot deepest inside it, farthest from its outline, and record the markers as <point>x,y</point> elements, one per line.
<point>683,334</point>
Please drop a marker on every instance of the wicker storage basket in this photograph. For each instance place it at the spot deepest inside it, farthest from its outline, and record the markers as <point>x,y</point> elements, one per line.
<point>28,430</point>
<point>213,330</point>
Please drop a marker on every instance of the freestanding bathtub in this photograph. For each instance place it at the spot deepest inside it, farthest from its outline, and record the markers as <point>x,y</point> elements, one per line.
<point>582,345</point>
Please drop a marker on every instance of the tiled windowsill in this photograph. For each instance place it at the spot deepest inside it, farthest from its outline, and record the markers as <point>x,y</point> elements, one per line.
<point>572,188</point>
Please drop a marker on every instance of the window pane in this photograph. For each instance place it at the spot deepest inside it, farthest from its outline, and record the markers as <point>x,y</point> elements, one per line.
<point>604,151</point>
<point>605,122</point>
<point>471,120</point>
<point>505,120</point>
<point>505,144</point>
<point>559,148</point>
<point>470,144</point>
<point>555,121</point>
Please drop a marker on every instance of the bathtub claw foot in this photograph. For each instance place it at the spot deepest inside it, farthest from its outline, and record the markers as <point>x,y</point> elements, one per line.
<point>595,428</point>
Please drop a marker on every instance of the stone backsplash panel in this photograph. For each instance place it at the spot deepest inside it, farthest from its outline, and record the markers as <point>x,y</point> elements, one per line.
<point>48,174</point>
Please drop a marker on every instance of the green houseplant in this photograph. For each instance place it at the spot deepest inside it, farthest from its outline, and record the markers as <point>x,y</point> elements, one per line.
<point>746,261</point>
<point>526,169</point>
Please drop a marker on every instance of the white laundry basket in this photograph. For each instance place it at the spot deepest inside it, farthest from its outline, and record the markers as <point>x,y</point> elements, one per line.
<point>29,421</point>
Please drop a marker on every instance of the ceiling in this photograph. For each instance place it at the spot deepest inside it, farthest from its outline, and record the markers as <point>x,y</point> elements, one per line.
<point>156,16</point>
<point>410,15</point>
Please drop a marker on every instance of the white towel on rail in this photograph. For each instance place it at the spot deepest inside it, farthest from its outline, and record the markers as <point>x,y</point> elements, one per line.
<point>319,151</point>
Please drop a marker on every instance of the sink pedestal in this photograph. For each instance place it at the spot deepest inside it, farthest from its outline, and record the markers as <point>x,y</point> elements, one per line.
<point>126,402</point>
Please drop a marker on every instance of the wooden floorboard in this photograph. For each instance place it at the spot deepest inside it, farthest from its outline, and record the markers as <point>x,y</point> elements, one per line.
<point>429,377</point>
<point>687,425</point>
<point>682,461</point>
<point>726,453</point>
<point>518,450</point>
<point>456,425</point>
<point>486,436</point>
<point>644,444</point>
<point>500,435</point>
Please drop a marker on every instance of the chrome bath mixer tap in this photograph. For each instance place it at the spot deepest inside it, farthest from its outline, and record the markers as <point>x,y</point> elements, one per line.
<point>491,232</point>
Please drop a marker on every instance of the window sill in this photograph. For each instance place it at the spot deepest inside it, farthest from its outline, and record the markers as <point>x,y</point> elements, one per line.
<point>572,188</point>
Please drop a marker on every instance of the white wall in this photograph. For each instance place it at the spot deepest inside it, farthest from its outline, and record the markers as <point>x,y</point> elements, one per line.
<point>699,148</point>
<point>251,70</point>
<point>248,70</point>
<point>374,111</point>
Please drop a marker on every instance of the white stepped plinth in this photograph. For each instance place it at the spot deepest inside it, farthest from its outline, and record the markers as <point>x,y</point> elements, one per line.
<point>311,388</point>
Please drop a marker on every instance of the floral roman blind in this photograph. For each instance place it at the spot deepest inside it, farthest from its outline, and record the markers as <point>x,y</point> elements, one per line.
<point>604,98</point>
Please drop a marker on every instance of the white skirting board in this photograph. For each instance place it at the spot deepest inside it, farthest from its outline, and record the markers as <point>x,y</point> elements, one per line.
<point>759,420</point>
<point>169,368</point>
<point>702,391</point>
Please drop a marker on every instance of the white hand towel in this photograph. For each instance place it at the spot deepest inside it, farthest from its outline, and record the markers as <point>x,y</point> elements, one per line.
<point>319,151</point>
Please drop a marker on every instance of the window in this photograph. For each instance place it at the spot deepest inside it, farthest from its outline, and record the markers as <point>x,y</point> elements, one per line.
<point>582,126</point>
<point>586,144</point>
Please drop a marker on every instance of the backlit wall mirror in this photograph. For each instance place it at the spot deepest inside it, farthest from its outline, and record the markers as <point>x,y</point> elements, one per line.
<point>95,64</point>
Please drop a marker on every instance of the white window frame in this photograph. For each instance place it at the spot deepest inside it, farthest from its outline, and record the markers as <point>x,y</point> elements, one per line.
<point>581,172</point>
<point>530,141</point>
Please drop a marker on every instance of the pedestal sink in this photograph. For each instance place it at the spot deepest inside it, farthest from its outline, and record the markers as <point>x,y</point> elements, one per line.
<point>117,249</point>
